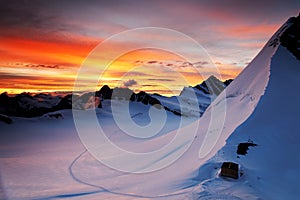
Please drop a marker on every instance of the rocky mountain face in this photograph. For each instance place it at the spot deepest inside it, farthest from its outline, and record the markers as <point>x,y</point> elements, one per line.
<point>26,105</point>
<point>291,37</point>
<point>205,93</point>
<point>213,86</point>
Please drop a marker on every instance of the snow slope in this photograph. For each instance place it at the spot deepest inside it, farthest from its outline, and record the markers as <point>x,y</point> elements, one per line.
<point>270,169</point>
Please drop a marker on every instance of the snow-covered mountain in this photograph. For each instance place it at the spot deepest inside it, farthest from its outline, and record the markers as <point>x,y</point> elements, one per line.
<point>205,93</point>
<point>270,168</point>
<point>28,105</point>
<point>45,159</point>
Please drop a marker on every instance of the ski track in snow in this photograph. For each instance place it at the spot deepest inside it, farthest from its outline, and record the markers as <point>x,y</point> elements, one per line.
<point>191,194</point>
<point>102,189</point>
<point>64,196</point>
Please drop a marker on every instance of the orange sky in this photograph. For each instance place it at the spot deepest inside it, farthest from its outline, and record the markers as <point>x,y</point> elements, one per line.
<point>34,65</point>
<point>40,65</point>
<point>43,45</point>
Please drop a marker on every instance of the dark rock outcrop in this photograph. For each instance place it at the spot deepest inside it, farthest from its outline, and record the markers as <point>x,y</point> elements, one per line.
<point>5,119</point>
<point>25,105</point>
<point>244,147</point>
<point>65,103</point>
<point>212,86</point>
<point>105,92</point>
<point>290,38</point>
<point>147,99</point>
<point>55,115</point>
<point>227,82</point>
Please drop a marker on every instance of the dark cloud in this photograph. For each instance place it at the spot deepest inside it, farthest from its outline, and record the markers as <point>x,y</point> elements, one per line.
<point>21,77</point>
<point>160,79</point>
<point>39,13</point>
<point>174,64</point>
<point>74,15</point>
<point>42,66</point>
<point>34,18</point>
<point>152,62</point>
<point>149,85</point>
<point>16,13</point>
<point>185,64</point>
<point>255,10</point>
<point>129,83</point>
<point>24,81</point>
<point>10,76</point>
<point>26,13</point>
<point>201,63</point>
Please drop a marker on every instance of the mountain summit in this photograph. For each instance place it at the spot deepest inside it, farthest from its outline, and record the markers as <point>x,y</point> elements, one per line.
<point>291,37</point>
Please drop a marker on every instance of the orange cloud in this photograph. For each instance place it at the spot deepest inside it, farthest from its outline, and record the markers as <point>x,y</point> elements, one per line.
<point>25,50</point>
<point>30,83</point>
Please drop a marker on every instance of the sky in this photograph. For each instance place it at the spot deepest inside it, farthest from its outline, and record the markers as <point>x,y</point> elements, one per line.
<point>44,43</point>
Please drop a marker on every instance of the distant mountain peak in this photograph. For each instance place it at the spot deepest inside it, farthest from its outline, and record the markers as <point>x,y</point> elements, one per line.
<point>212,78</point>
<point>212,86</point>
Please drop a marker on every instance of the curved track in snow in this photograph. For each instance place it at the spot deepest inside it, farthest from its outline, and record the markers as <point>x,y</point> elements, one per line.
<point>103,189</point>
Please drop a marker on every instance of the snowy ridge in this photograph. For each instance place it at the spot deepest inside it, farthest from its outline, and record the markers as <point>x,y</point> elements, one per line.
<point>270,169</point>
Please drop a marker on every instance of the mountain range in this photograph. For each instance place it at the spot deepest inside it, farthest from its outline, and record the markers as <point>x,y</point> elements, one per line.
<point>34,105</point>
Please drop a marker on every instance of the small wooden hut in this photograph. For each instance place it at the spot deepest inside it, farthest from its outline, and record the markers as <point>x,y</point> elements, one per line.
<point>230,169</point>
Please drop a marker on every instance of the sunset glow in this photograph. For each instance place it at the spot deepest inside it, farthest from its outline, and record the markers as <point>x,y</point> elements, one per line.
<point>42,53</point>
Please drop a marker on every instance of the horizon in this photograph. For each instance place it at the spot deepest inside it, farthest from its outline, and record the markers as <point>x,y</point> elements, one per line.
<point>64,93</point>
<point>43,45</point>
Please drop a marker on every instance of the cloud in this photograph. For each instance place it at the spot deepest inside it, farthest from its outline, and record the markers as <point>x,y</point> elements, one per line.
<point>129,83</point>
<point>25,82</point>
<point>43,66</point>
<point>200,64</point>
<point>172,64</point>
<point>152,62</point>
<point>160,79</point>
